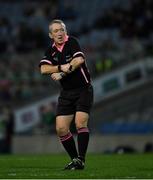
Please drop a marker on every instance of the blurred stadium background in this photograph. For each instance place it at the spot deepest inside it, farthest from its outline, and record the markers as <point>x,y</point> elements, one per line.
<point>117,38</point>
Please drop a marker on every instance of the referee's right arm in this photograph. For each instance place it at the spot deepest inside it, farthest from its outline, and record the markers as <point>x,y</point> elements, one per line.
<point>48,69</point>
<point>46,66</point>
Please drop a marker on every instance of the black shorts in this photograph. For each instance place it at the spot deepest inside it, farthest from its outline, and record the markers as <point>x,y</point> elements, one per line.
<point>71,101</point>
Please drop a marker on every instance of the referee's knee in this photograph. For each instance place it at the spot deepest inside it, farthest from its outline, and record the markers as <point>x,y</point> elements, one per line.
<point>61,131</point>
<point>81,125</point>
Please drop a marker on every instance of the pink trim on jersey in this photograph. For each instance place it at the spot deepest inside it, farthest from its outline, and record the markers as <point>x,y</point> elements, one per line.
<point>82,130</point>
<point>62,46</point>
<point>78,53</point>
<point>66,137</point>
<point>84,75</point>
<point>45,60</point>
<point>53,53</point>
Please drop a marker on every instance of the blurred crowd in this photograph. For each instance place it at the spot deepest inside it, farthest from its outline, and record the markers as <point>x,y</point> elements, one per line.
<point>47,119</point>
<point>112,34</point>
<point>6,129</point>
<point>116,35</point>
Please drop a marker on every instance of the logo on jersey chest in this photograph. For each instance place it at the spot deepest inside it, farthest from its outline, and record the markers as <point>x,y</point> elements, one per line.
<point>67,58</point>
<point>55,58</point>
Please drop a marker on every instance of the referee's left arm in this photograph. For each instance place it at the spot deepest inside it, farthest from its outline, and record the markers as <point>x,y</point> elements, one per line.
<point>74,64</point>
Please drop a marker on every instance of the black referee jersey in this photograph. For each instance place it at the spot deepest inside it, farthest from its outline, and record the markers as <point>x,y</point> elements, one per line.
<point>80,77</point>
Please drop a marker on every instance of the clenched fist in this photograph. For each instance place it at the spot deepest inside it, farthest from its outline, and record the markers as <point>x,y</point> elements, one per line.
<point>57,76</point>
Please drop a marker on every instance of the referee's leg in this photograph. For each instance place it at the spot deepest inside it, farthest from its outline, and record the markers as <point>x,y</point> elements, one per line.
<point>81,121</point>
<point>63,131</point>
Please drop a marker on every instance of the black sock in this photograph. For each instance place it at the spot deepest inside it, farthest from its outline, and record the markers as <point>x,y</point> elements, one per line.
<point>69,145</point>
<point>83,139</point>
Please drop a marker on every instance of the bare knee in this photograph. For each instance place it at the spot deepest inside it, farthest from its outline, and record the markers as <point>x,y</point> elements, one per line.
<point>63,124</point>
<point>61,131</point>
<point>81,120</point>
<point>80,124</point>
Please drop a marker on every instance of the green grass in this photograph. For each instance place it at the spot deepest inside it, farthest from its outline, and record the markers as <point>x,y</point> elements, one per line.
<point>97,167</point>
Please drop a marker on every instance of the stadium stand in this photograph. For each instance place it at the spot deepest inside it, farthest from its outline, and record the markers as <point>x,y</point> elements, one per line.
<point>112,34</point>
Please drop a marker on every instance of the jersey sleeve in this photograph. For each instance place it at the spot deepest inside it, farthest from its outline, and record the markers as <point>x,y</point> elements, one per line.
<point>76,49</point>
<point>46,59</point>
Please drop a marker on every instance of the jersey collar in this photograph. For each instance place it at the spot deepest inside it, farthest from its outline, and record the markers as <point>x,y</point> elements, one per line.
<point>62,46</point>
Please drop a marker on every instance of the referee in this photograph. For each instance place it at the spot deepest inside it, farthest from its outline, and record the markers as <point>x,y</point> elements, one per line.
<point>65,62</point>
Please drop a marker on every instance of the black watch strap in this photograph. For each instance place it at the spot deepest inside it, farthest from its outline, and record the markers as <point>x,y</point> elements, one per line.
<point>59,68</point>
<point>70,68</point>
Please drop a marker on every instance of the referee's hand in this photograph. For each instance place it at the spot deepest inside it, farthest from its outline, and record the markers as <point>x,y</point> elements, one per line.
<point>56,76</point>
<point>66,68</point>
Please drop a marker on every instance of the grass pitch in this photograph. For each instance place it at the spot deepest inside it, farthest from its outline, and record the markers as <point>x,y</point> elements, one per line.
<point>97,167</point>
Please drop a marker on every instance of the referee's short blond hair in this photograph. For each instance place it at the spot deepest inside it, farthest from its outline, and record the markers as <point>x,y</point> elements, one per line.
<point>58,21</point>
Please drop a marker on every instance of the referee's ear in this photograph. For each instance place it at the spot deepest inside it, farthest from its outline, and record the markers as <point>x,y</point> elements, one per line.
<point>50,35</point>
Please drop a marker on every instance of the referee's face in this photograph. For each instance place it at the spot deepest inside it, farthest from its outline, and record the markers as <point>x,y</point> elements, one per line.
<point>57,32</point>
